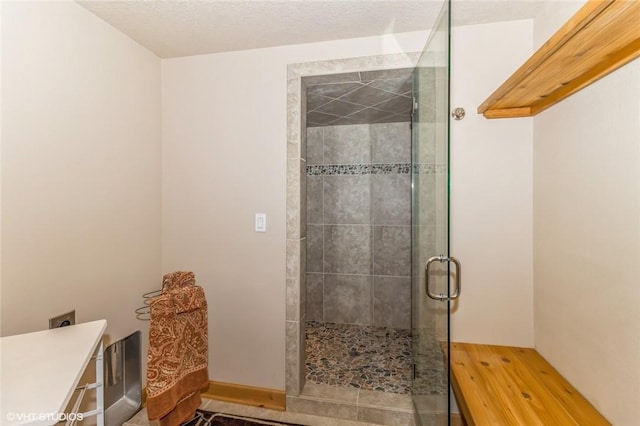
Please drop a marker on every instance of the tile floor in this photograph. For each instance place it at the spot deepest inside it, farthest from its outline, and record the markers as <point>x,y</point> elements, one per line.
<point>374,358</point>
<point>358,356</point>
<point>141,419</point>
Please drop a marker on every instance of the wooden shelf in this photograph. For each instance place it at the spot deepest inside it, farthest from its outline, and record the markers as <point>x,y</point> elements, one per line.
<point>600,38</point>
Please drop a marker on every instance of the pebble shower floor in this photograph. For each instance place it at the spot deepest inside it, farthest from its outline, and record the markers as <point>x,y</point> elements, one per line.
<point>363,357</point>
<point>371,358</point>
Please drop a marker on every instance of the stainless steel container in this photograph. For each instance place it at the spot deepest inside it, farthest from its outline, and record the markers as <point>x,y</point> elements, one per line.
<point>122,380</point>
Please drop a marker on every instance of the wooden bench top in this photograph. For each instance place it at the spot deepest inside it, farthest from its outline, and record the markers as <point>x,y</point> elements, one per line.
<point>503,385</point>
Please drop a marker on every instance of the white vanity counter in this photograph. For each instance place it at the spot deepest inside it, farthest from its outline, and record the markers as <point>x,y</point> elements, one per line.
<point>39,371</point>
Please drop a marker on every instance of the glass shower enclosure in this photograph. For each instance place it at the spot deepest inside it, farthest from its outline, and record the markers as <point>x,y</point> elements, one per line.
<point>431,294</point>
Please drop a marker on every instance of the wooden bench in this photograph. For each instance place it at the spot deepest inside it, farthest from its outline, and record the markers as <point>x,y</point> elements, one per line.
<point>502,385</point>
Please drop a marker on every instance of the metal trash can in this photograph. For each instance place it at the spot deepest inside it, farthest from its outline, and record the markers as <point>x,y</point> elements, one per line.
<point>122,380</point>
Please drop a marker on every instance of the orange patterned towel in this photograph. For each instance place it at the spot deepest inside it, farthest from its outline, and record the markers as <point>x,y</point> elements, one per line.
<point>178,350</point>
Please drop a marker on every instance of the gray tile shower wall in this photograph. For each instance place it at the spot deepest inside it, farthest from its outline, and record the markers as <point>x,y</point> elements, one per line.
<point>359,224</point>
<point>389,293</point>
<point>347,144</point>
<point>391,199</point>
<point>347,199</point>
<point>347,298</point>
<point>347,249</point>
<point>392,250</point>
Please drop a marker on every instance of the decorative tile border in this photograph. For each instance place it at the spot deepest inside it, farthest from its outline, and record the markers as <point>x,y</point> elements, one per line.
<point>357,169</point>
<point>374,169</point>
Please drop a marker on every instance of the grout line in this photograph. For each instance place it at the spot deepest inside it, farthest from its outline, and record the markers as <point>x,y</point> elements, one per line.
<point>323,228</point>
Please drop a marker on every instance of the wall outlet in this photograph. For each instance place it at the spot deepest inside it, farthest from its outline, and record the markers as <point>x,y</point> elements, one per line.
<point>63,320</point>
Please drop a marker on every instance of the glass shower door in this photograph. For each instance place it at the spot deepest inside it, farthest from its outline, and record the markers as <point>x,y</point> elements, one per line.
<point>430,227</point>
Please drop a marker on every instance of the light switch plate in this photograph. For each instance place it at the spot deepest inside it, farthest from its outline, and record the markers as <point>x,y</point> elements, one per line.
<point>261,222</point>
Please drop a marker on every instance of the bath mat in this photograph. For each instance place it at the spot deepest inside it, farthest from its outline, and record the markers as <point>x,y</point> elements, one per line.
<point>210,418</point>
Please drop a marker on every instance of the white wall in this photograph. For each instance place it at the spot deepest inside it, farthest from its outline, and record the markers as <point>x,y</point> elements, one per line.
<point>587,236</point>
<point>224,145</point>
<point>80,169</point>
<point>491,190</point>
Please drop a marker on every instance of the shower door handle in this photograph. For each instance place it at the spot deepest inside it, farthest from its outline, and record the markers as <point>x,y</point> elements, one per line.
<point>441,297</point>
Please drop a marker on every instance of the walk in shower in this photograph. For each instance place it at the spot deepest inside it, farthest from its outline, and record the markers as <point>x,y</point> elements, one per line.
<point>358,218</point>
<point>367,206</point>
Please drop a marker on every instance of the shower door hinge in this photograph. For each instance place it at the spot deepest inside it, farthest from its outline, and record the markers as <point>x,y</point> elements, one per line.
<point>414,106</point>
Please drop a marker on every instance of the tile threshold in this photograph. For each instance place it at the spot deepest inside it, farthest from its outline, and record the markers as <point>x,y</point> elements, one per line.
<point>311,388</point>
<point>379,408</point>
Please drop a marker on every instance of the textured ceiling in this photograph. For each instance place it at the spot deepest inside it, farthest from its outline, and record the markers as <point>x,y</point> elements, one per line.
<point>191,27</point>
<point>173,28</point>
